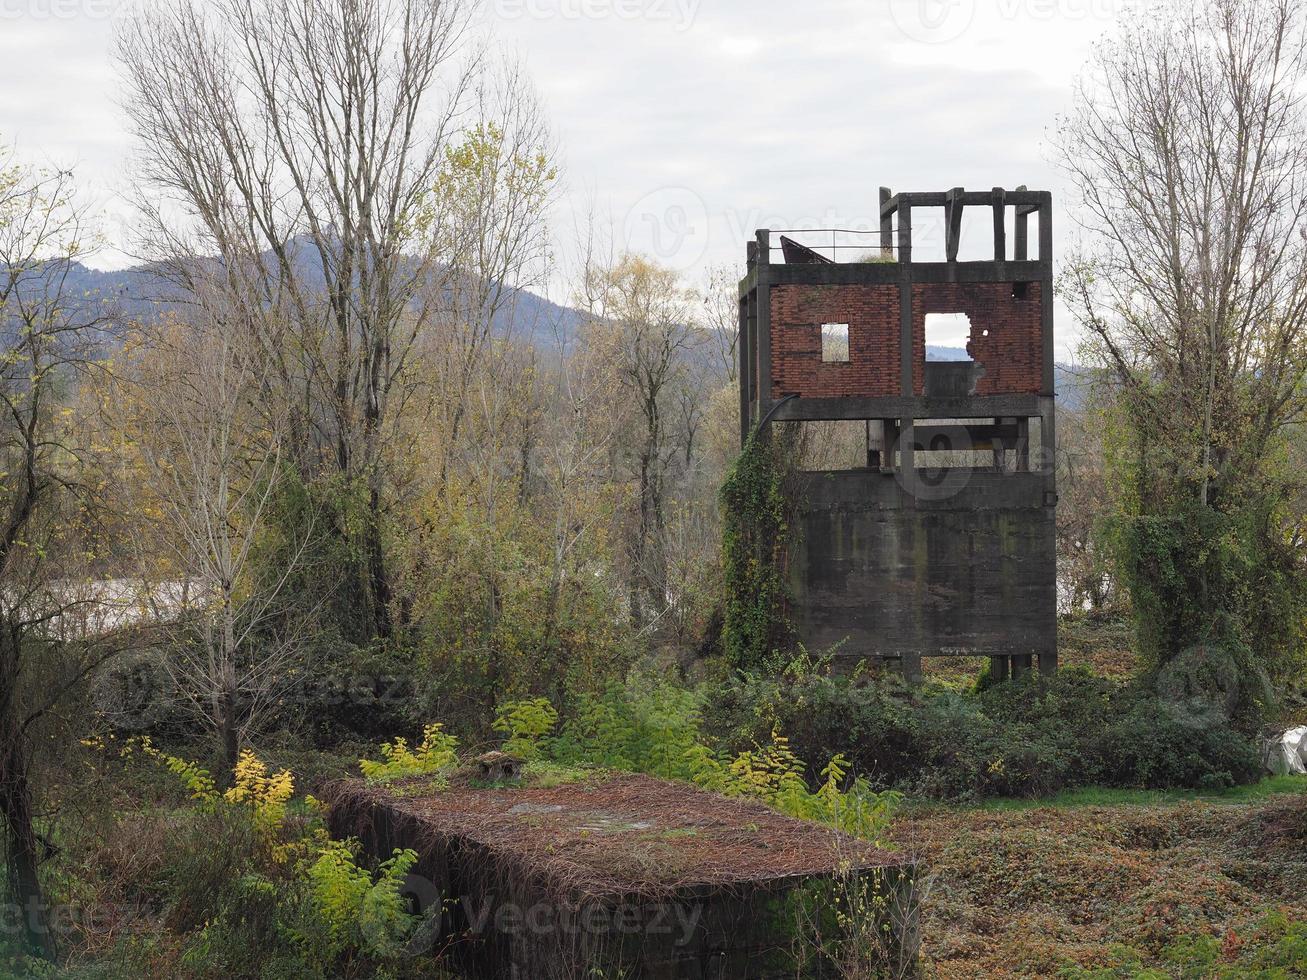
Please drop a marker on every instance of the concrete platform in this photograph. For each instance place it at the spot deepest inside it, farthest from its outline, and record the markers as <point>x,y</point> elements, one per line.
<point>625,875</point>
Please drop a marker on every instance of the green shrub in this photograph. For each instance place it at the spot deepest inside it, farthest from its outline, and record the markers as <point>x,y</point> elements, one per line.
<point>655,727</point>
<point>1226,578</point>
<point>1275,947</point>
<point>1028,737</point>
<point>247,883</point>
<point>526,724</point>
<point>435,752</point>
<point>642,726</point>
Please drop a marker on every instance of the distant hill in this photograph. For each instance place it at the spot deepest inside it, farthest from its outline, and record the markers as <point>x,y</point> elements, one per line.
<point>139,293</point>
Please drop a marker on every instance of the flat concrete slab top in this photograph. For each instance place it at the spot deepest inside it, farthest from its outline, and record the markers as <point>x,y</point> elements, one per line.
<point>620,834</point>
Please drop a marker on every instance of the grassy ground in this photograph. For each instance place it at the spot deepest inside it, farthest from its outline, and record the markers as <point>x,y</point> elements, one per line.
<point>1115,881</point>
<point>1269,788</point>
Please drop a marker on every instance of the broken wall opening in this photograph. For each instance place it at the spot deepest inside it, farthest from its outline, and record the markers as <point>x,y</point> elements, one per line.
<point>949,334</point>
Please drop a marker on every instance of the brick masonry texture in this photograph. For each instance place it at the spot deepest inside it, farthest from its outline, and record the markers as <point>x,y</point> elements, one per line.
<point>1011,352</point>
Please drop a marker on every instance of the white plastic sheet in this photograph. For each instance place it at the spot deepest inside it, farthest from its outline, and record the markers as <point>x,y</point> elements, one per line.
<point>1288,753</point>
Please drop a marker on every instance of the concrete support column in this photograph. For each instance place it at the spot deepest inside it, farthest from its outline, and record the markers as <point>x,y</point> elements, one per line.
<point>1048,662</point>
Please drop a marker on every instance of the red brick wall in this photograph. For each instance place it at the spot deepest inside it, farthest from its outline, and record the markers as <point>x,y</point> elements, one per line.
<point>1012,353</point>
<point>872,313</point>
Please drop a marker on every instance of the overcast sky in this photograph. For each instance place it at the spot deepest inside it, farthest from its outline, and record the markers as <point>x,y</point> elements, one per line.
<point>690,122</point>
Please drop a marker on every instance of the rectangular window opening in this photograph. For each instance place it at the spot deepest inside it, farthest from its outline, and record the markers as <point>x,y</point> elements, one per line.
<point>835,343</point>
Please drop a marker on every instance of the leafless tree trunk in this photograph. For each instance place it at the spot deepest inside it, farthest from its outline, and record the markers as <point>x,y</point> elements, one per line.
<point>299,141</point>
<point>489,211</point>
<point>1189,145</point>
<point>649,311</point>
<point>215,461</point>
<point>722,319</point>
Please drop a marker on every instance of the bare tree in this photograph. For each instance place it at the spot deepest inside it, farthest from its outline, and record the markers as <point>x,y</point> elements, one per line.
<point>1189,145</point>
<point>1085,580</point>
<point>582,428</point>
<point>49,334</point>
<point>487,218</point>
<point>298,141</point>
<point>650,313</point>
<point>214,461</point>
<point>721,309</point>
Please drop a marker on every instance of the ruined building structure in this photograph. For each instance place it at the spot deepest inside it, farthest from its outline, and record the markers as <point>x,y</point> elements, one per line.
<point>942,544</point>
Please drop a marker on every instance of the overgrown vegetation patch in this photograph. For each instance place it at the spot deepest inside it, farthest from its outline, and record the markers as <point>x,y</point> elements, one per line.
<point>1122,889</point>
<point>1028,737</point>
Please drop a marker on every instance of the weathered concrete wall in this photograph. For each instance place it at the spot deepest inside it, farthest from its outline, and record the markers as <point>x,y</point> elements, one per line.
<point>496,913</point>
<point>964,568</point>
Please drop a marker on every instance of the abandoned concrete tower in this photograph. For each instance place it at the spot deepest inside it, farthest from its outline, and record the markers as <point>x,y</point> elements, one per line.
<point>942,544</point>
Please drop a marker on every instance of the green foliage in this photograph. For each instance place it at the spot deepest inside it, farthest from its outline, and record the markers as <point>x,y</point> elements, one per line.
<point>526,723</point>
<point>655,727</point>
<point>347,684</point>
<point>254,890</point>
<point>316,529</point>
<point>755,525</point>
<point>1229,582</point>
<point>1028,737</point>
<point>492,621</point>
<point>645,725</point>
<point>1223,574</point>
<point>486,163</point>
<point>774,774</point>
<point>436,752</point>
<point>348,907</point>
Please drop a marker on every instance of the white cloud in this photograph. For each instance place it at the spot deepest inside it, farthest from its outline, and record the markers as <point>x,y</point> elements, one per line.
<point>738,113</point>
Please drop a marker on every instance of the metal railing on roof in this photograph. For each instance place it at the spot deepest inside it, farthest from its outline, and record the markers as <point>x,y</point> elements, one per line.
<point>834,246</point>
